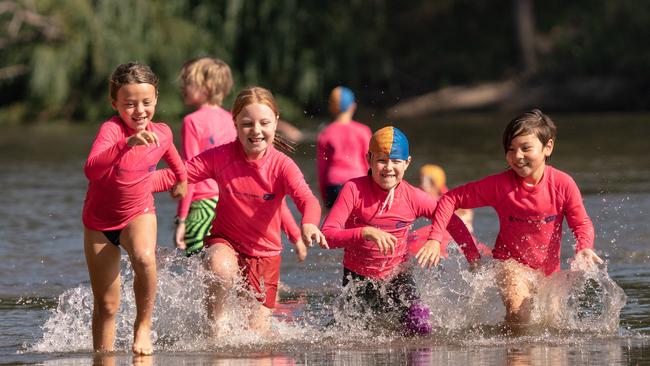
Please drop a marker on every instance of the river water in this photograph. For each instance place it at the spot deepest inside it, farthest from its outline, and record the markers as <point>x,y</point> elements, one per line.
<point>45,301</point>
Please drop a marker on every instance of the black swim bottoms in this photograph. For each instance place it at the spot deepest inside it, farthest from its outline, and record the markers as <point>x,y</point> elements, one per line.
<point>113,236</point>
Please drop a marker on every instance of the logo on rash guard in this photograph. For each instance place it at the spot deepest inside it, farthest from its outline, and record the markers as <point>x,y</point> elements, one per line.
<point>401,224</point>
<point>211,140</point>
<point>530,220</point>
<point>151,168</point>
<point>265,196</point>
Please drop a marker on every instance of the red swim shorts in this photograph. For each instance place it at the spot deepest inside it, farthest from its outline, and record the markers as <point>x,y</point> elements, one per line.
<point>261,273</point>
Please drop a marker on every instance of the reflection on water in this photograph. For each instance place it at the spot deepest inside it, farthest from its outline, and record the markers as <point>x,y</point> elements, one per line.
<point>45,299</point>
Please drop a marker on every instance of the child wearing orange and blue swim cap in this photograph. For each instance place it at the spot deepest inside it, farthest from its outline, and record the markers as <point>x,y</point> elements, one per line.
<point>371,219</point>
<point>341,146</point>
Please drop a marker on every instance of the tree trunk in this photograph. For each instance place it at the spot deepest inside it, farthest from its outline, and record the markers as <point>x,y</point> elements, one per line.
<point>525,24</point>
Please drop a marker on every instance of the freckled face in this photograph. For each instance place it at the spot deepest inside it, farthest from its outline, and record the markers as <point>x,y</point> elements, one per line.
<point>527,157</point>
<point>136,104</point>
<point>256,124</point>
<point>387,172</point>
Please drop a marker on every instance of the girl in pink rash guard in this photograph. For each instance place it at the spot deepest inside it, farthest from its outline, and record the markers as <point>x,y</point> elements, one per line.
<point>370,220</point>
<point>119,207</point>
<point>253,178</point>
<point>341,146</point>
<point>531,200</point>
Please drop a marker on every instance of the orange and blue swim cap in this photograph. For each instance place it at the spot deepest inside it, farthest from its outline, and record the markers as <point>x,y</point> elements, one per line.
<point>341,99</point>
<point>390,141</point>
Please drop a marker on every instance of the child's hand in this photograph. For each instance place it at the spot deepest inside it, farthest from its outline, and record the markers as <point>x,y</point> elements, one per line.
<point>310,234</point>
<point>474,265</point>
<point>586,260</point>
<point>143,137</point>
<point>301,250</point>
<point>429,254</point>
<point>385,241</point>
<point>179,190</point>
<point>179,236</point>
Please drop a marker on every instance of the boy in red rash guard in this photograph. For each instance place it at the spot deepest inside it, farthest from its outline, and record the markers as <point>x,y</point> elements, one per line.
<point>253,179</point>
<point>119,207</point>
<point>341,146</point>
<point>531,200</point>
<point>371,219</point>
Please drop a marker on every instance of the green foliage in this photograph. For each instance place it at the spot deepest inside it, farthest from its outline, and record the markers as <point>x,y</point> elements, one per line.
<point>57,66</point>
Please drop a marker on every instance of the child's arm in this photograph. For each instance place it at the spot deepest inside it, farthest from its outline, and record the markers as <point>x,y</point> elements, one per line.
<point>464,239</point>
<point>289,226</point>
<point>190,148</point>
<point>306,202</point>
<point>108,147</point>
<point>580,224</point>
<point>200,168</point>
<point>485,192</point>
<point>338,236</point>
<point>173,160</point>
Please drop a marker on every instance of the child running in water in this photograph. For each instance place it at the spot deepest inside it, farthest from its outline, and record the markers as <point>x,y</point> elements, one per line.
<point>371,219</point>
<point>205,82</point>
<point>119,207</point>
<point>341,146</point>
<point>531,200</point>
<point>253,179</point>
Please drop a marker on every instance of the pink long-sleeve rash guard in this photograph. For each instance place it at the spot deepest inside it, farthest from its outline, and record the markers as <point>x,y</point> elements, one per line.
<point>358,205</point>
<point>341,153</point>
<point>204,129</point>
<point>530,218</point>
<point>119,176</point>
<point>250,195</point>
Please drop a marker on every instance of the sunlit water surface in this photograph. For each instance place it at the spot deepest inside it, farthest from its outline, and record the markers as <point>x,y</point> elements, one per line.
<point>597,317</point>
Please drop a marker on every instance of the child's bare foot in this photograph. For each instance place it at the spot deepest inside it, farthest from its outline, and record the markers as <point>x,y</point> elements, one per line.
<point>142,341</point>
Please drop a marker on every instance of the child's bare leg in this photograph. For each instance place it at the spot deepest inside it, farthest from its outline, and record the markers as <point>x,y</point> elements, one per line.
<point>221,260</point>
<point>139,240</point>
<point>103,260</point>
<point>260,319</point>
<point>516,294</point>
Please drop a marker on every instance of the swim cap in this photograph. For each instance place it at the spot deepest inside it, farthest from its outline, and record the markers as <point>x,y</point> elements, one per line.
<point>341,99</point>
<point>437,175</point>
<point>390,141</point>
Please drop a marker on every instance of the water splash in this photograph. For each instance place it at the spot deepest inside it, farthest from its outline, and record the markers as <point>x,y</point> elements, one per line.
<point>466,308</point>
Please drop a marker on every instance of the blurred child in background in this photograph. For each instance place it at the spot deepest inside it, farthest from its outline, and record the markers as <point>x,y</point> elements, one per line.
<point>341,147</point>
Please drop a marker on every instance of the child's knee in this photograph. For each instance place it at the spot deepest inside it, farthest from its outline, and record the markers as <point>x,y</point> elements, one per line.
<point>223,268</point>
<point>144,260</point>
<point>106,308</point>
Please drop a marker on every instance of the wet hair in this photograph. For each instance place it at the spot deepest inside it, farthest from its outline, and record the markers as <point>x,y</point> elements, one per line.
<point>131,73</point>
<point>530,122</point>
<point>259,95</point>
<point>211,75</point>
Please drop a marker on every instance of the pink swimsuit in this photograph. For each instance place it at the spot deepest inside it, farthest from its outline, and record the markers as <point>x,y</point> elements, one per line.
<point>358,205</point>
<point>250,195</point>
<point>204,129</point>
<point>341,153</point>
<point>530,218</point>
<point>119,187</point>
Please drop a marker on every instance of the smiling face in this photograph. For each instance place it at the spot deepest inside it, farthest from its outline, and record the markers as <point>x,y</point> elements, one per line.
<point>387,172</point>
<point>526,155</point>
<point>136,104</point>
<point>256,124</point>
